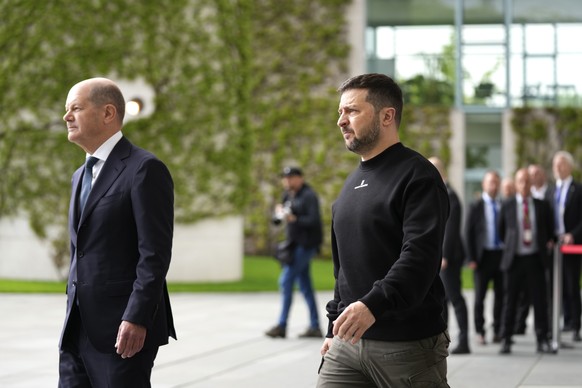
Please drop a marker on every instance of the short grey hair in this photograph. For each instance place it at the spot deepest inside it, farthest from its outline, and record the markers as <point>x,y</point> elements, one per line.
<point>566,155</point>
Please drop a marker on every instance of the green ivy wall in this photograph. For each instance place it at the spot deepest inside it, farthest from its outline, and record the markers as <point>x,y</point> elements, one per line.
<point>242,88</point>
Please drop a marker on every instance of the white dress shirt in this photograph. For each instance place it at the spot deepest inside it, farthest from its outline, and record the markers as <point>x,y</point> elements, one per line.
<point>102,153</point>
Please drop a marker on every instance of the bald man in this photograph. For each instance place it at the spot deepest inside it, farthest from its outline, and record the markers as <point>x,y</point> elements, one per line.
<point>121,220</point>
<point>526,228</point>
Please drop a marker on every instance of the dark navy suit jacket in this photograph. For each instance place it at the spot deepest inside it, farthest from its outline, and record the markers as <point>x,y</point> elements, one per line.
<point>572,210</point>
<point>121,248</point>
<point>453,249</point>
<point>475,230</point>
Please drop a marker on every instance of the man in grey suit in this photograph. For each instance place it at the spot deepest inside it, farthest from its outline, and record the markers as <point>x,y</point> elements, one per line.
<point>121,219</point>
<point>526,227</point>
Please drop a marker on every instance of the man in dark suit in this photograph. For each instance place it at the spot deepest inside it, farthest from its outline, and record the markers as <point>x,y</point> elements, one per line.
<point>526,227</point>
<point>452,264</point>
<point>121,226</point>
<point>484,254</point>
<point>568,222</point>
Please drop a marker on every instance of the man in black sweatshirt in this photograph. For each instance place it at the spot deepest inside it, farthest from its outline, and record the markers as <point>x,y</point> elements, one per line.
<point>385,325</point>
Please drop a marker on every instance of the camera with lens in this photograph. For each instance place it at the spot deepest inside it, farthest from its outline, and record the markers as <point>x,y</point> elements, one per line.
<point>281,212</point>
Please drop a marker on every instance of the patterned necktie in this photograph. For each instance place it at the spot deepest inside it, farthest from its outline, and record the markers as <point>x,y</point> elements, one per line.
<point>527,234</point>
<point>87,181</point>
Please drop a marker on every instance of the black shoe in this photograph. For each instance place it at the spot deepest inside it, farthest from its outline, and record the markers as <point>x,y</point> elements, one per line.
<point>277,331</point>
<point>311,333</point>
<point>544,347</point>
<point>461,349</point>
<point>576,337</point>
<point>497,339</point>
<point>506,347</point>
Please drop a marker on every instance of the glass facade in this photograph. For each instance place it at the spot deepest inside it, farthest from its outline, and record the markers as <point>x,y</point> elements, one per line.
<point>541,68</point>
<point>512,53</point>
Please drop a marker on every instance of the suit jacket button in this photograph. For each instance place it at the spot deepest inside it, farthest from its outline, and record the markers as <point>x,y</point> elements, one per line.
<point>80,254</point>
<point>75,283</point>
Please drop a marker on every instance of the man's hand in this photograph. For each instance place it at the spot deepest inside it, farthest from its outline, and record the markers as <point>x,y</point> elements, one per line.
<point>326,346</point>
<point>353,322</point>
<point>567,239</point>
<point>473,265</point>
<point>444,263</point>
<point>130,339</point>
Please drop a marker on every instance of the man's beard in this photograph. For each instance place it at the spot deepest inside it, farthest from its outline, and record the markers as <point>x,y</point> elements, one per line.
<point>367,141</point>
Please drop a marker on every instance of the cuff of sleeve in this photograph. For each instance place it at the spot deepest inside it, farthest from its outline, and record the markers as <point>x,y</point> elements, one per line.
<point>329,330</point>
<point>376,302</point>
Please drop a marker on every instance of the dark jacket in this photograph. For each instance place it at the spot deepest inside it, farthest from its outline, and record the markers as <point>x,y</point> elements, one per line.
<point>307,229</point>
<point>121,248</point>
<point>475,231</point>
<point>572,211</point>
<point>452,244</point>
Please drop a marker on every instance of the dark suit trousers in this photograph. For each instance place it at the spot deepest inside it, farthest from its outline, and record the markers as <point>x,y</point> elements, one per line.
<point>526,271</point>
<point>451,277</point>
<point>572,264</point>
<point>487,271</point>
<point>82,366</point>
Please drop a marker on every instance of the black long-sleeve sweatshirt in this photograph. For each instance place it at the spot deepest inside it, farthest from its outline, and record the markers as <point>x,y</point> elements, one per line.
<point>387,235</point>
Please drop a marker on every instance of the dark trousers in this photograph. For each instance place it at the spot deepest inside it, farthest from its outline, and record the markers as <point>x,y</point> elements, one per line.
<point>451,278</point>
<point>82,366</point>
<point>522,309</point>
<point>487,271</point>
<point>526,271</point>
<point>572,264</point>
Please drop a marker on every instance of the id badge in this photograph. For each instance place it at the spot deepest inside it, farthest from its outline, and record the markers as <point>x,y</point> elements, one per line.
<point>527,236</point>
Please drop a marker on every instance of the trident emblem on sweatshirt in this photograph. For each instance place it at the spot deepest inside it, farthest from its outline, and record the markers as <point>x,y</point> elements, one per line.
<point>361,185</point>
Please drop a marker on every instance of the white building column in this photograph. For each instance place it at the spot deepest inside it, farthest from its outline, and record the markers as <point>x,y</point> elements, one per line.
<point>508,156</point>
<point>356,35</point>
<point>456,168</point>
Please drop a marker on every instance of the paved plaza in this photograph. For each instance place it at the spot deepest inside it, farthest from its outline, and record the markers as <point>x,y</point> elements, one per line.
<point>221,344</point>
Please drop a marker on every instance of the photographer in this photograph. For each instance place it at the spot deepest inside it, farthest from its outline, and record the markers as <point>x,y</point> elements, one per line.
<point>299,209</point>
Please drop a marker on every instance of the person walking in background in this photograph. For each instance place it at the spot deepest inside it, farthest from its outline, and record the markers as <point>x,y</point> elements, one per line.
<point>388,224</point>
<point>299,209</point>
<point>484,254</point>
<point>539,183</point>
<point>507,187</point>
<point>452,264</point>
<point>568,224</point>
<point>121,220</point>
<point>539,190</point>
<point>526,227</point>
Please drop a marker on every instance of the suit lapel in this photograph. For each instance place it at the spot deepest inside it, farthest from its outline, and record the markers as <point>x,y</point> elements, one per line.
<point>483,217</point>
<point>73,207</point>
<point>110,171</point>
<point>570,194</point>
<point>512,211</point>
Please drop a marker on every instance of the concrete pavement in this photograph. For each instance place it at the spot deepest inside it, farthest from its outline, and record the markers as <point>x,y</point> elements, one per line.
<point>221,344</point>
